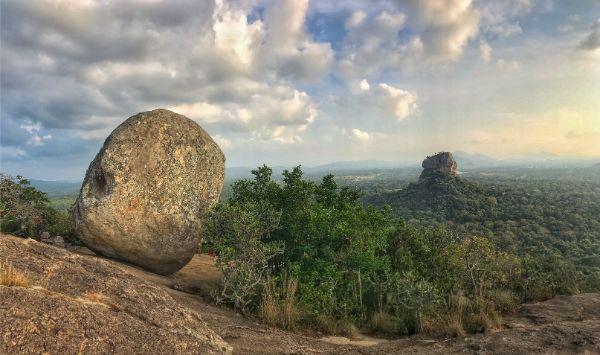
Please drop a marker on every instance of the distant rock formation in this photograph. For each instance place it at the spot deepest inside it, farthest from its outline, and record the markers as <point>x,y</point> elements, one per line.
<point>440,163</point>
<point>81,304</point>
<point>144,194</point>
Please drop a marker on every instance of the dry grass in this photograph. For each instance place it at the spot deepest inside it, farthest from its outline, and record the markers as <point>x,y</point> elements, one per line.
<point>278,306</point>
<point>9,276</point>
<point>505,301</point>
<point>465,316</point>
<point>455,323</point>
<point>447,321</point>
<point>326,324</point>
<point>348,329</point>
<point>484,316</point>
<point>483,322</point>
<point>382,322</point>
<point>98,298</point>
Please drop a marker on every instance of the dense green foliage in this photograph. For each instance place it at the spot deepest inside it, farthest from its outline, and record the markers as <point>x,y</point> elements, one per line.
<point>552,220</point>
<point>316,233</point>
<point>25,211</point>
<point>334,261</point>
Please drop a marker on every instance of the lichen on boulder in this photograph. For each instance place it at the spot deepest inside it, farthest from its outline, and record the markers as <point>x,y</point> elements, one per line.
<point>146,191</point>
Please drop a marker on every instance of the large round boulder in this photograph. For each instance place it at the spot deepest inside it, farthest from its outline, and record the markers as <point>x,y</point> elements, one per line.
<point>145,193</point>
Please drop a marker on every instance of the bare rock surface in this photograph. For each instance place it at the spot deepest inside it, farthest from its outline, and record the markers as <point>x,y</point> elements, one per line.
<point>83,304</point>
<point>144,194</point>
<point>442,162</point>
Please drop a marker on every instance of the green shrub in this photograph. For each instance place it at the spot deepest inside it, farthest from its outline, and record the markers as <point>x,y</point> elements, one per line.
<point>61,223</point>
<point>545,276</point>
<point>306,253</point>
<point>23,209</point>
<point>26,212</point>
<point>329,242</point>
<point>238,233</point>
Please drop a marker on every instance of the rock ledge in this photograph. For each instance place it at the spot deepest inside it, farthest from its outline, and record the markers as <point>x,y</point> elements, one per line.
<point>82,304</point>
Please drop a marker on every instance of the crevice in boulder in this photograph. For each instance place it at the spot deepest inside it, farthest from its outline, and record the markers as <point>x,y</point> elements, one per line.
<point>101,184</point>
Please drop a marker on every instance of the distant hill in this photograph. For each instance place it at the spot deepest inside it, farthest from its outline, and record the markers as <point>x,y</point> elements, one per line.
<point>353,165</point>
<point>542,160</point>
<point>438,195</point>
<point>56,189</point>
<point>467,160</point>
<point>438,190</point>
<point>555,162</point>
<point>239,172</point>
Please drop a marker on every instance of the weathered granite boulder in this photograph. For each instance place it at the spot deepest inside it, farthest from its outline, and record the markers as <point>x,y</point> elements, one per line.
<point>144,195</point>
<point>82,304</point>
<point>440,163</point>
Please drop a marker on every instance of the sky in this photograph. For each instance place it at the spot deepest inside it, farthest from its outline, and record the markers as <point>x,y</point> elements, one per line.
<point>288,82</point>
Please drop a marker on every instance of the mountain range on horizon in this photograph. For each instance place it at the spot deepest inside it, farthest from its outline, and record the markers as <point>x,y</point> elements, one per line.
<point>464,160</point>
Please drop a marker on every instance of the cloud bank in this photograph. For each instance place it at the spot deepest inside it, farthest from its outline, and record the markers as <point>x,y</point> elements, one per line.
<point>267,77</point>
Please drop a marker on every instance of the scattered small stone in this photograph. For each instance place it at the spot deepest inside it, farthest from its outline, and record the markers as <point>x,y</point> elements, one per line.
<point>45,238</point>
<point>58,241</point>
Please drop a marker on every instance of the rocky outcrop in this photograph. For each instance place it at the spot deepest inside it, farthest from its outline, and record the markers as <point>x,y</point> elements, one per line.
<point>82,304</point>
<point>144,195</point>
<point>440,163</point>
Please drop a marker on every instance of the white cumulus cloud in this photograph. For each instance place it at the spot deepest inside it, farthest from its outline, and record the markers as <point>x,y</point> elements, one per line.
<point>364,85</point>
<point>373,44</point>
<point>356,19</point>
<point>447,26</point>
<point>485,51</point>
<point>360,135</point>
<point>204,59</point>
<point>507,65</point>
<point>36,139</point>
<point>399,102</point>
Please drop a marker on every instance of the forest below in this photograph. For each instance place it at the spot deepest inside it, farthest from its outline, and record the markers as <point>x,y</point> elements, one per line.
<point>552,214</point>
